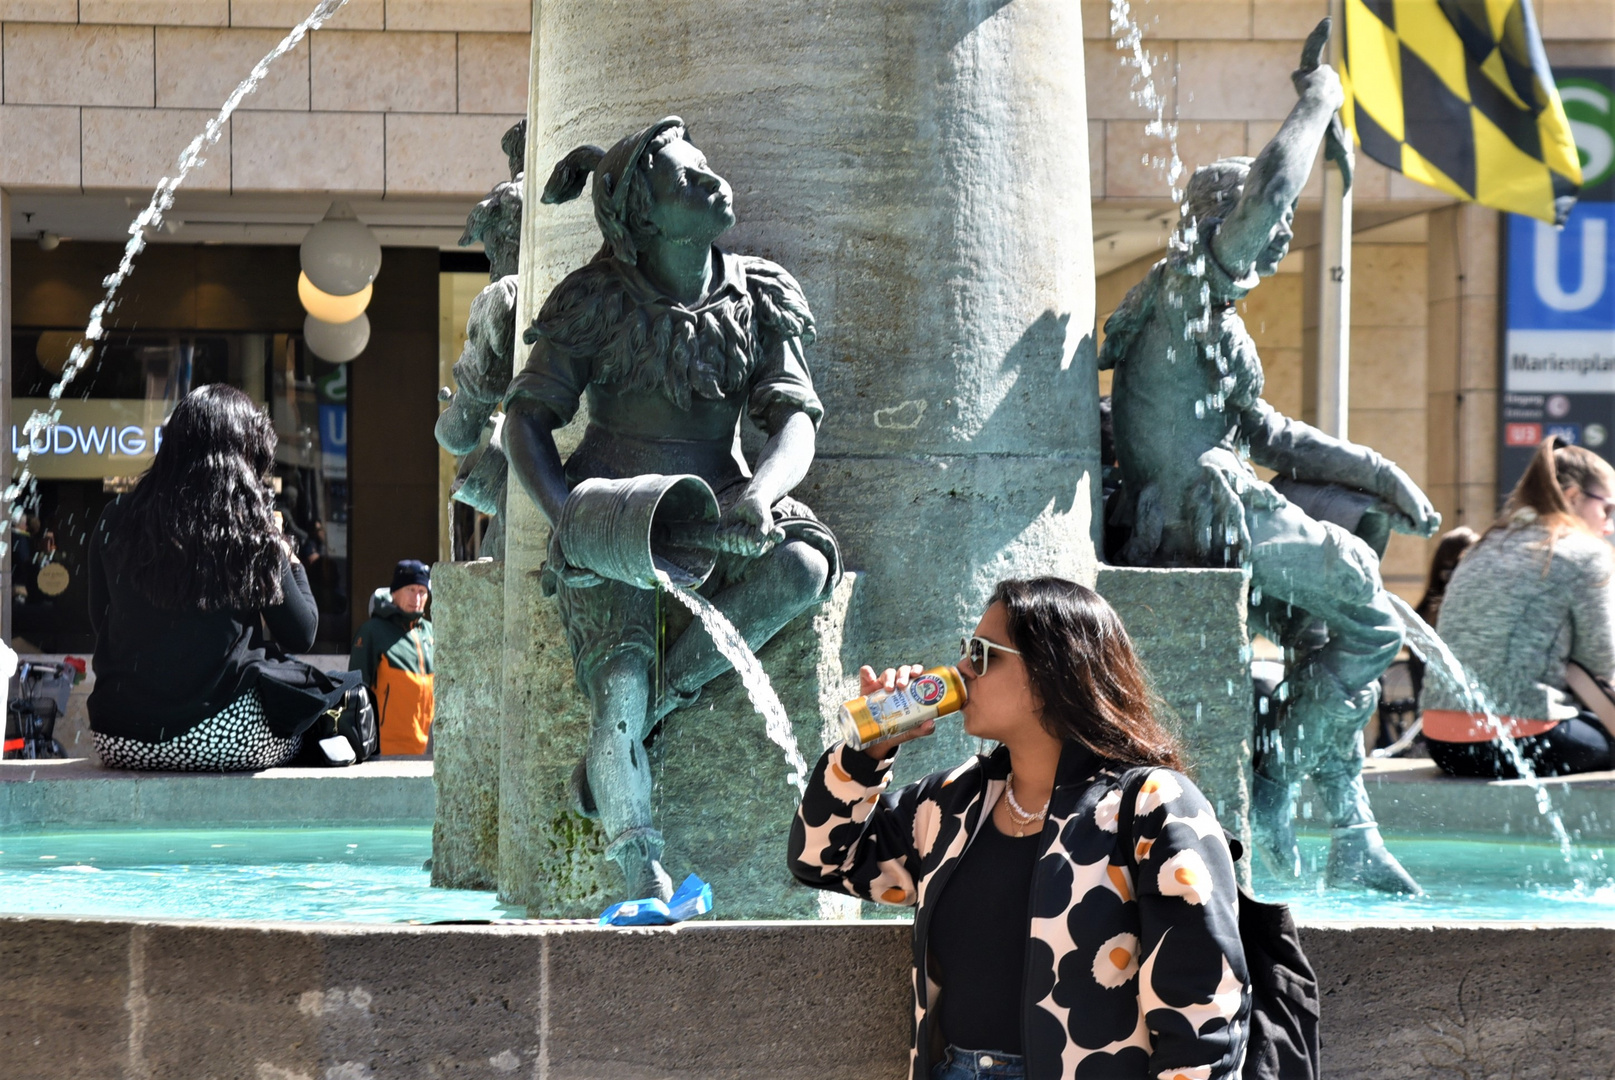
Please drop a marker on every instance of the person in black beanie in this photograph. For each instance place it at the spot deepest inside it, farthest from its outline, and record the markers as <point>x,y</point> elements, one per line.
<point>394,652</point>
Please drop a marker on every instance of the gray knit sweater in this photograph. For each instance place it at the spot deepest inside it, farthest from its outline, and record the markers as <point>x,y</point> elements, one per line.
<point>1514,614</point>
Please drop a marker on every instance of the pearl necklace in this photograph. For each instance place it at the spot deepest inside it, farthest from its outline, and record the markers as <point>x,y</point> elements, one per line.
<point>1018,814</point>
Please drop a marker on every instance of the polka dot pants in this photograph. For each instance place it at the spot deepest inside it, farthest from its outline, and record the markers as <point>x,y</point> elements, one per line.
<point>234,739</point>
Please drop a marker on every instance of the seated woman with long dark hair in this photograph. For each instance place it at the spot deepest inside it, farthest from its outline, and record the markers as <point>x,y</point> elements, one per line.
<point>1530,612</point>
<point>183,569</point>
<point>1077,912</point>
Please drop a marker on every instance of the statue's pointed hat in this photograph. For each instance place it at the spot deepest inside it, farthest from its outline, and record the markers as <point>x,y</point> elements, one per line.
<point>613,172</point>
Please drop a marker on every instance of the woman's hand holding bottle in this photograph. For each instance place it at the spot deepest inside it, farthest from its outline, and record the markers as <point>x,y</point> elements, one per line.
<point>891,678</point>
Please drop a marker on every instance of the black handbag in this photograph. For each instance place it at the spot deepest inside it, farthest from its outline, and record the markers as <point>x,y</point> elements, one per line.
<point>345,734</point>
<point>296,694</point>
<point>356,722</point>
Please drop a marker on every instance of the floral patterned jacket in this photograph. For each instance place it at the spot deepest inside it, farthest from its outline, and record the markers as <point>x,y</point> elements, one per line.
<point>1134,965</point>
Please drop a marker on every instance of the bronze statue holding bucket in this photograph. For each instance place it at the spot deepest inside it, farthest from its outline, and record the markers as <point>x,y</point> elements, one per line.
<point>671,340</point>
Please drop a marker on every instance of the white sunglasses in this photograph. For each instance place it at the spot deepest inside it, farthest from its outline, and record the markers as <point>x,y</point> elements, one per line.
<point>978,649</point>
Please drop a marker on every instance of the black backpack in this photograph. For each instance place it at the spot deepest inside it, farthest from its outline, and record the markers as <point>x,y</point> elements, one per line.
<point>1284,991</point>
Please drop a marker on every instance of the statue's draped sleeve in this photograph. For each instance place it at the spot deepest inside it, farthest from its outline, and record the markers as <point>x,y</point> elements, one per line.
<point>567,340</point>
<point>483,370</point>
<point>783,325</point>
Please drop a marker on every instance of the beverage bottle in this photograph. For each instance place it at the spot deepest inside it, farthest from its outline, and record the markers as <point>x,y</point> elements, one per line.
<point>937,692</point>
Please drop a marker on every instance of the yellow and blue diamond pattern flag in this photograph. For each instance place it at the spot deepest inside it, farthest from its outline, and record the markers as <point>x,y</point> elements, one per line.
<point>1457,94</point>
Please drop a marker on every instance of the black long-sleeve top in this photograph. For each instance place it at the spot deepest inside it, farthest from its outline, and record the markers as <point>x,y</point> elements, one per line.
<point>158,672</point>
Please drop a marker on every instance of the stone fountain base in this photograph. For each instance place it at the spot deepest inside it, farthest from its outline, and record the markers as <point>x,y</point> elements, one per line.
<point>760,1001</point>
<point>468,615</point>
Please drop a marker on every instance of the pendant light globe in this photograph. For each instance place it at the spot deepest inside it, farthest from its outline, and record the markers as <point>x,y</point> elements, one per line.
<point>337,343</point>
<point>340,255</point>
<point>332,309</point>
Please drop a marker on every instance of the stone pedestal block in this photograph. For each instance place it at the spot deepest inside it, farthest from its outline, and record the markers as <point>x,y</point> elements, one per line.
<point>1190,630</point>
<point>468,615</point>
<point>722,797</point>
<point>551,858</point>
<point>721,800</point>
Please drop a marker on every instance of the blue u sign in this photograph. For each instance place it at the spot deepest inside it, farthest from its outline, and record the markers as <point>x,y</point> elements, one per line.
<point>1562,279</point>
<point>1561,303</point>
<point>334,429</point>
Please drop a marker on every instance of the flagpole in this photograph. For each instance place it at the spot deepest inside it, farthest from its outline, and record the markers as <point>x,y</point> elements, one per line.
<point>1334,281</point>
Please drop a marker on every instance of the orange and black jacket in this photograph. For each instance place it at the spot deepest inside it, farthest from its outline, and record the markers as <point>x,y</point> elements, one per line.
<point>395,653</point>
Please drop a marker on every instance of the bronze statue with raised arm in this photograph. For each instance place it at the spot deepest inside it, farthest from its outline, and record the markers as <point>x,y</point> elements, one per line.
<point>1189,421</point>
<point>672,341</point>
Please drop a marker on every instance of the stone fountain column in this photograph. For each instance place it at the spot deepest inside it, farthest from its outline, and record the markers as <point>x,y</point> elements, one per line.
<point>921,166</point>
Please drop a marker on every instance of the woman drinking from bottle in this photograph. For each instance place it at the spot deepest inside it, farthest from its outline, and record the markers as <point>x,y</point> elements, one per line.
<point>1076,900</point>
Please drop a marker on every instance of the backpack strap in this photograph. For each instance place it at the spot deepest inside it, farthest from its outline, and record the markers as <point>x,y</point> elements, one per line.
<point>1132,781</point>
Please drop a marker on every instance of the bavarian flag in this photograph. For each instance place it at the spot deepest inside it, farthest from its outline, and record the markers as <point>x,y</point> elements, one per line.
<point>1457,94</point>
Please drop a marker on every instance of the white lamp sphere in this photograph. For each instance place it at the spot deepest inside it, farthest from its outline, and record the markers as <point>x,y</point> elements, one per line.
<point>332,309</point>
<point>337,343</point>
<point>340,257</point>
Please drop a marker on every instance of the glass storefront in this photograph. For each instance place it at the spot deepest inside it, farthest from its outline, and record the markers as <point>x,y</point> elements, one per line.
<point>111,425</point>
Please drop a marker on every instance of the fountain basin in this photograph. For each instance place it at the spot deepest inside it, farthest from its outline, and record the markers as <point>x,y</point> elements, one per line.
<point>95,998</point>
<point>369,874</point>
<point>307,874</point>
<point>1471,879</point>
<point>262,996</point>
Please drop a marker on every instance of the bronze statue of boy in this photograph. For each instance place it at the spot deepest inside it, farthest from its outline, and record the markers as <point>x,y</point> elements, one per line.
<point>671,340</point>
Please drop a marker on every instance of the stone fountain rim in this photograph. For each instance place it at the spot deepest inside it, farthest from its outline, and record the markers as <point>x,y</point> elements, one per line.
<point>540,928</point>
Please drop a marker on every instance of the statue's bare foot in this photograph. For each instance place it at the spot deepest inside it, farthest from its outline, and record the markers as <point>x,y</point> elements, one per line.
<point>1358,858</point>
<point>1357,855</point>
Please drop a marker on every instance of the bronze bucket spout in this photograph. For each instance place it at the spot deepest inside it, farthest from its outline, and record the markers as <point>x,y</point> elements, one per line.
<point>642,529</point>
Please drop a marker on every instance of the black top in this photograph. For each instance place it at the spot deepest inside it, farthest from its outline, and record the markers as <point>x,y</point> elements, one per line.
<point>158,672</point>
<point>979,931</point>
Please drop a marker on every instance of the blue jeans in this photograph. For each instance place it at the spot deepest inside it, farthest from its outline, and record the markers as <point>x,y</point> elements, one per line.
<point>959,1064</point>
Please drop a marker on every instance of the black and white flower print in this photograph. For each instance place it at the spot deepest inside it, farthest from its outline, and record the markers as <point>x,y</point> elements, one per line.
<point>1135,967</point>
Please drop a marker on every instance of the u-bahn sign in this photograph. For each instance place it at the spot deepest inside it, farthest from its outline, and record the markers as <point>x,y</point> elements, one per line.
<point>1558,354</point>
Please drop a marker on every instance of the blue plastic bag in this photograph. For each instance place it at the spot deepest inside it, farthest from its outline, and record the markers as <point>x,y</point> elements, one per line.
<point>693,898</point>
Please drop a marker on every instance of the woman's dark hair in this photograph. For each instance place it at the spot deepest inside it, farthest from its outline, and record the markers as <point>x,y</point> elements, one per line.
<point>1084,672</point>
<point>1449,550</point>
<point>199,529</point>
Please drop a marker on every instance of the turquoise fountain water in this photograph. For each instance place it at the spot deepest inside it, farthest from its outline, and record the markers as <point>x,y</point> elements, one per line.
<point>375,875</point>
<point>367,875</point>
